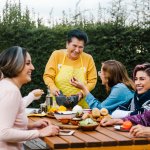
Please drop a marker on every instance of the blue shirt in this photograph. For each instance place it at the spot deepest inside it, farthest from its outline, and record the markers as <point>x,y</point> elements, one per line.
<point>119,94</point>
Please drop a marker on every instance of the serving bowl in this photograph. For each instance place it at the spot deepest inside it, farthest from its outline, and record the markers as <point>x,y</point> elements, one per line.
<point>68,102</point>
<point>64,115</point>
<point>75,121</point>
<point>89,127</point>
<point>64,121</point>
<point>88,124</point>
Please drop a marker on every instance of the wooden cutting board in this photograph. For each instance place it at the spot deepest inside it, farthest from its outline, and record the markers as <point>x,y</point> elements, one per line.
<point>67,126</point>
<point>50,115</point>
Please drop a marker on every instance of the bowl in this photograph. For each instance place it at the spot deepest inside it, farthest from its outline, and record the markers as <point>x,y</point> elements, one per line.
<point>68,102</point>
<point>64,121</point>
<point>89,127</point>
<point>75,121</point>
<point>64,115</point>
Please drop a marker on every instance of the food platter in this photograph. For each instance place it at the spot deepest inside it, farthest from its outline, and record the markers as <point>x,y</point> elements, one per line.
<point>36,115</point>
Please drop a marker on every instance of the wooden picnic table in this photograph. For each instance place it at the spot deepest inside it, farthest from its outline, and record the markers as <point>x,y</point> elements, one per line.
<point>103,138</point>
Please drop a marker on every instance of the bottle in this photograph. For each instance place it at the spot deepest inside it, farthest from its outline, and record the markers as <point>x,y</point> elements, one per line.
<point>49,100</point>
<point>55,105</point>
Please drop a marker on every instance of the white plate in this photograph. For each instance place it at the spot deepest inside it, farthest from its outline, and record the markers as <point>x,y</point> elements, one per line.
<point>66,132</point>
<point>66,112</point>
<point>119,128</point>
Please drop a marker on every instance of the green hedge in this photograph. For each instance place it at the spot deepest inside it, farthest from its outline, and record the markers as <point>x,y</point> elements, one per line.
<point>130,45</point>
<point>110,40</point>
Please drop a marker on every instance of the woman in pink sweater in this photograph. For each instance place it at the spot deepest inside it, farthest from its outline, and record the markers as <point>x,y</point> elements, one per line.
<point>16,69</point>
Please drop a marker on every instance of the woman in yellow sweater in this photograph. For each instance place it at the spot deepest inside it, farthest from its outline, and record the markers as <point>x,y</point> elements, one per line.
<point>71,62</point>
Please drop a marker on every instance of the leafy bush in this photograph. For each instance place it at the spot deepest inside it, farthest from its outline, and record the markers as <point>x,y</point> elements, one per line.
<point>109,40</point>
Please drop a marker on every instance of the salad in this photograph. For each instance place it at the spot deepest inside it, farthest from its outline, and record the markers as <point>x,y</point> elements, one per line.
<point>87,121</point>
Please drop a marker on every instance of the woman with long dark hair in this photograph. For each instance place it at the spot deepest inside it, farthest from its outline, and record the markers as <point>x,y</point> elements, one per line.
<point>119,86</point>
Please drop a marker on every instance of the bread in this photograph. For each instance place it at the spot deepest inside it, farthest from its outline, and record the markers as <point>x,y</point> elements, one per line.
<point>104,112</point>
<point>95,112</point>
<point>38,93</point>
<point>85,115</point>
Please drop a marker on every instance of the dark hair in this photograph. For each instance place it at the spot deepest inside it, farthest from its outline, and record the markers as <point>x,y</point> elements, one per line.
<point>116,73</point>
<point>143,67</point>
<point>80,35</point>
<point>12,61</point>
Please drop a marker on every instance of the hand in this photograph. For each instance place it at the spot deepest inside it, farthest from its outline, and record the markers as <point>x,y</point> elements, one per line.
<point>41,123</point>
<point>140,131</point>
<point>108,121</point>
<point>37,93</point>
<point>50,130</point>
<point>77,84</point>
<point>55,92</point>
<point>80,94</point>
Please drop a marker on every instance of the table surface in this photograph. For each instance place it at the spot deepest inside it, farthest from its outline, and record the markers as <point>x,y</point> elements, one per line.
<point>105,138</point>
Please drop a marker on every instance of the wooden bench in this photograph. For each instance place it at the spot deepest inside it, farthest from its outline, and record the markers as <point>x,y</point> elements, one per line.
<point>36,144</point>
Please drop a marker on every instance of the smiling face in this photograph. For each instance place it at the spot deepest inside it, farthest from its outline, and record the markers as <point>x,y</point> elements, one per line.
<point>75,48</point>
<point>25,75</point>
<point>142,82</point>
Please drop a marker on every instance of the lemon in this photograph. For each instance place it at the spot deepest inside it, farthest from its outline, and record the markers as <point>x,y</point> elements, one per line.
<point>53,109</point>
<point>62,108</point>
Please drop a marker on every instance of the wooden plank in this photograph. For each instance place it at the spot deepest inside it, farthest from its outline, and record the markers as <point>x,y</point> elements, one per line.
<point>89,141</point>
<point>121,140</point>
<point>56,142</point>
<point>73,141</point>
<point>105,140</point>
<point>136,141</point>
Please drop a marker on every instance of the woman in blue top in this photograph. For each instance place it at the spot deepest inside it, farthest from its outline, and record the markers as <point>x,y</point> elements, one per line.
<point>119,86</point>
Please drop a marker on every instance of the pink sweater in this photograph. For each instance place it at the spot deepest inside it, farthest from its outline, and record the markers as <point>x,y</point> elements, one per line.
<point>13,120</point>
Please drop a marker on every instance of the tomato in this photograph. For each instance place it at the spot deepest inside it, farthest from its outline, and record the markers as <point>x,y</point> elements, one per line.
<point>127,125</point>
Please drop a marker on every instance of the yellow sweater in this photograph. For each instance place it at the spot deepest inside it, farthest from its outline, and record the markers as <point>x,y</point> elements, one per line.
<point>55,61</point>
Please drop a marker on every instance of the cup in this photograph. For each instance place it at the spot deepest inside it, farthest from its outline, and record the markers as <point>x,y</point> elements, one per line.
<point>43,107</point>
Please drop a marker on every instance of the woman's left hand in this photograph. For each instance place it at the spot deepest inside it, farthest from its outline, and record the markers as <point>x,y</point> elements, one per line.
<point>140,131</point>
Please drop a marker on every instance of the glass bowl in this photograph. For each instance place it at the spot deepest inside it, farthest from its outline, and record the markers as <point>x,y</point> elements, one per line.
<point>64,115</point>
